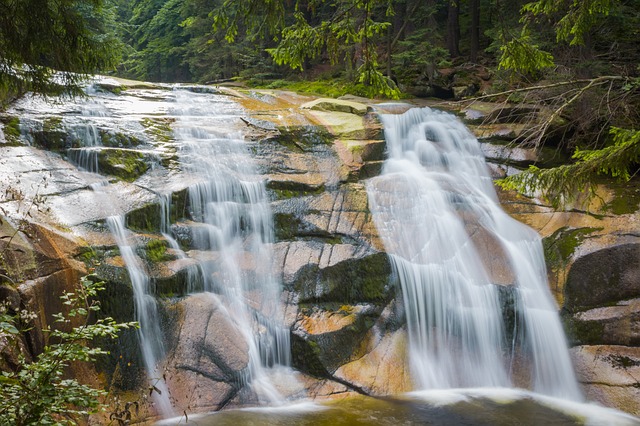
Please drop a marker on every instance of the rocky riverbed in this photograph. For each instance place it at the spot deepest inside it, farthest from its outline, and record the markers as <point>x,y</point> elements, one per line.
<point>348,333</point>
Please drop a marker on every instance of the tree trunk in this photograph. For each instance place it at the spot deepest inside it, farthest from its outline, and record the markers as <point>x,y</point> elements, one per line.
<point>474,5</point>
<point>453,28</point>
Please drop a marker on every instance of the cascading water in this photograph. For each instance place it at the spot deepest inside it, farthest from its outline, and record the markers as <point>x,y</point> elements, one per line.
<point>230,202</point>
<point>433,198</point>
<point>146,311</point>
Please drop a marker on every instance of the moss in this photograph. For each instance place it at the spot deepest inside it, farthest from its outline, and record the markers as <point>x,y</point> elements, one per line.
<point>88,256</point>
<point>156,251</point>
<point>626,198</point>
<point>285,191</point>
<point>583,332</point>
<point>51,124</point>
<point>286,226</point>
<point>11,129</point>
<point>53,137</point>
<point>175,285</point>
<point>302,138</point>
<point>179,205</point>
<point>305,356</point>
<point>145,219</point>
<point>621,361</point>
<point>560,246</point>
<point>124,164</point>
<point>159,129</point>
<point>351,281</point>
<point>124,365</point>
<point>118,140</point>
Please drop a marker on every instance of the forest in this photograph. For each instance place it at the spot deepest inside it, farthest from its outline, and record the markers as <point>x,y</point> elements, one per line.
<point>579,58</point>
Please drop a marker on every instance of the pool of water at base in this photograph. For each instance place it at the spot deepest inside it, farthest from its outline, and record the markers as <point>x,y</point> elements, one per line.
<point>473,407</point>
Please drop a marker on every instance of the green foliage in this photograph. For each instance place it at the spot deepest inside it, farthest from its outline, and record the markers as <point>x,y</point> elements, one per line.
<point>49,46</point>
<point>415,56</point>
<point>573,21</point>
<point>159,41</point>
<point>561,185</point>
<point>157,251</point>
<point>345,30</point>
<point>521,55</point>
<point>579,16</point>
<point>37,392</point>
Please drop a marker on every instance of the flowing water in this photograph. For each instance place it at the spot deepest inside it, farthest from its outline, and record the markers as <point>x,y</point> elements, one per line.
<point>230,222</point>
<point>436,210</point>
<point>230,202</point>
<point>146,309</point>
<point>471,323</point>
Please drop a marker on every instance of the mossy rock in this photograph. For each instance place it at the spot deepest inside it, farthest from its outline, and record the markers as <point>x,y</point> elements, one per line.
<point>356,280</point>
<point>145,219</point>
<point>179,205</point>
<point>124,164</point>
<point>302,138</point>
<point>53,136</point>
<point>336,105</point>
<point>119,140</point>
<point>582,332</point>
<point>337,347</point>
<point>175,285</point>
<point>124,366</point>
<point>11,129</point>
<point>626,198</point>
<point>156,251</point>
<point>560,246</point>
<point>286,226</point>
<point>292,188</point>
<point>305,357</point>
<point>159,128</point>
<point>603,278</point>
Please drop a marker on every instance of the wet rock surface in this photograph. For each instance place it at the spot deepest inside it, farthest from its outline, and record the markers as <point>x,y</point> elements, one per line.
<point>347,332</point>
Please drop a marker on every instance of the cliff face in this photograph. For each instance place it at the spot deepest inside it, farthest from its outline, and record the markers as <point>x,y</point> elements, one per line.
<point>348,331</point>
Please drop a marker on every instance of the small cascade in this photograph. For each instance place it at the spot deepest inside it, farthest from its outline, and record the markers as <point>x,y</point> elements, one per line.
<point>146,311</point>
<point>235,231</point>
<point>438,215</point>
<point>194,275</point>
<point>86,157</point>
<point>86,132</point>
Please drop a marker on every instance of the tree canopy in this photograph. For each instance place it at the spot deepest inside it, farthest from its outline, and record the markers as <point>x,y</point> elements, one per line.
<point>47,46</point>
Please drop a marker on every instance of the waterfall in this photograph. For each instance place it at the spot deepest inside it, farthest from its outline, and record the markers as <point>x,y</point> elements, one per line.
<point>230,203</point>
<point>439,218</point>
<point>146,313</point>
<point>86,157</point>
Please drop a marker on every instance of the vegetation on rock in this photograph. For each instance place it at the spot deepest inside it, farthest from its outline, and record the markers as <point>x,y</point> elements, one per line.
<point>37,391</point>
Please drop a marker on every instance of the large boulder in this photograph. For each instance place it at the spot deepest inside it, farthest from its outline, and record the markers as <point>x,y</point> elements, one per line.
<point>209,355</point>
<point>610,375</point>
<point>603,277</point>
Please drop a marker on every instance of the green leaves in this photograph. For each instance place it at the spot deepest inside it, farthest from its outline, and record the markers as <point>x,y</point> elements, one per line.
<point>579,16</point>
<point>561,185</point>
<point>50,46</point>
<point>344,30</point>
<point>521,55</point>
<point>37,393</point>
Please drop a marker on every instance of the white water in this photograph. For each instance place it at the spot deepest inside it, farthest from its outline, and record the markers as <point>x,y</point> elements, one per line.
<point>146,313</point>
<point>232,234</point>
<point>433,194</point>
<point>231,204</point>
